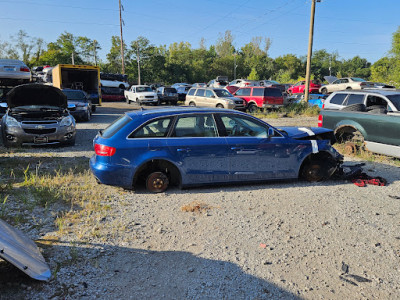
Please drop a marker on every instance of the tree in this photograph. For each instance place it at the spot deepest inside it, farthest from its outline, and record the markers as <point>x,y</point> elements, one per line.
<point>224,46</point>
<point>114,60</point>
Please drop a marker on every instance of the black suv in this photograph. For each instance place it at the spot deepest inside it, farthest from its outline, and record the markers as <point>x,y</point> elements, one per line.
<point>167,95</point>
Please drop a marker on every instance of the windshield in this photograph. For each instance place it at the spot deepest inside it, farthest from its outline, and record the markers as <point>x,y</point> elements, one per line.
<point>75,95</point>
<point>357,79</point>
<point>395,100</point>
<point>223,93</point>
<point>141,89</point>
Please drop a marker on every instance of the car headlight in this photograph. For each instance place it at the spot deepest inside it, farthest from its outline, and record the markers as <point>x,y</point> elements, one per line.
<point>66,121</point>
<point>231,102</point>
<point>141,97</point>
<point>12,122</point>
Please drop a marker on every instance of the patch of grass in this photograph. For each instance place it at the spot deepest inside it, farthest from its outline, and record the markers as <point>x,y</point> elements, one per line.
<point>51,187</point>
<point>363,154</point>
<point>291,111</point>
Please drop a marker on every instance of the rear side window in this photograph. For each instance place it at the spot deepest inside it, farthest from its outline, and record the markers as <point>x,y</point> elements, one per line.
<point>338,99</point>
<point>115,127</point>
<point>200,92</point>
<point>258,92</point>
<point>209,94</point>
<point>195,126</point>
<point>154,129</point>
<point>243,92</point>
<point>355,99</point>
<point>273,93</point>
<point>191,92</point>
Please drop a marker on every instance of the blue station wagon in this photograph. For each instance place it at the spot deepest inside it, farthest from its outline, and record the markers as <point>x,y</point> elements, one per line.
<point>187,146</point>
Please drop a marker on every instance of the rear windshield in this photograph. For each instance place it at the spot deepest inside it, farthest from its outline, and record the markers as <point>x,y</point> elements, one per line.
<point>357,79</point>
<point>316,81</point>
<point>74,95</point>
<point>191,92</point>
<point>170,90</point>
<point>395,100</point>
<point>273,93</point>
<point>115,127</point>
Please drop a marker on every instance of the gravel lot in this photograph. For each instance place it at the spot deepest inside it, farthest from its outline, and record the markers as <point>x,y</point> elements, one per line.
<point>289,240</point>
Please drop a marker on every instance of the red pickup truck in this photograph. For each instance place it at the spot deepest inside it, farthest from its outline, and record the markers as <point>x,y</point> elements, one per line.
<point>258,97</point>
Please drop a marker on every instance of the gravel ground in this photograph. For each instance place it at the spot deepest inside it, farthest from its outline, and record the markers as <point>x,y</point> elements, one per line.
<point>289,240</point>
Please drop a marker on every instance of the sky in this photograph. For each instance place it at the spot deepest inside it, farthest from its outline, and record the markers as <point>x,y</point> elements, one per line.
<point>348,27</point>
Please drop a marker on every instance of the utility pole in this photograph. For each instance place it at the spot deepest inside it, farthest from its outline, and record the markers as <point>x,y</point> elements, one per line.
<point>138,63</point>
<point>94,52</point>
<point>73,58</point>
<point>309,54</point>
<point>234,66</point>
<point>122,40</point>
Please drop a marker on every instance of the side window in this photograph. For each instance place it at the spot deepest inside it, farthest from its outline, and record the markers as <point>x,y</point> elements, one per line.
<point>153,129</point>
<point>258,92</point>
<point>209,93</point>
<point>375,100</point>
<point>336,81</point>
<point>133,89</point>
<point>297,84</point>
<point>338,99</point>
<point>200,92</point>
<point>355,99</point>
<point>240,126</point>
<point>191,92</point>
<point>195,126</point>
<point>245,92</point>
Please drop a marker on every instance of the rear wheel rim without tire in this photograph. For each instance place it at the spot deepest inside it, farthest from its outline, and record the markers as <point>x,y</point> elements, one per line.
<point>157,182</point>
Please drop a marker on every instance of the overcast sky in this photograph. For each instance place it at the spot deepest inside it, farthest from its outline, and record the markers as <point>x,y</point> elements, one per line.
<point>350,27</point>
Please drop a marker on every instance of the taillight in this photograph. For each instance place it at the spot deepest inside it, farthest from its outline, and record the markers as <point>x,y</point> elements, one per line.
<point>247,83</point>
<point>320,118</point>
<point>24,69</point>
<point>362,83</point>
<point>103,150</point>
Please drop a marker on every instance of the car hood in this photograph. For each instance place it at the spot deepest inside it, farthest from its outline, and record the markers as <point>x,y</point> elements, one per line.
<point>36,94</point>
<point>22,252</point>
<point>147,94</point>
<point>330,79</point>
<point>302,132</point>
<point>230,98</point>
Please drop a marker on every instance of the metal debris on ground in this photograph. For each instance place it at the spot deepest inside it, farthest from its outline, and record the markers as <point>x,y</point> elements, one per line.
<point>22,252</point>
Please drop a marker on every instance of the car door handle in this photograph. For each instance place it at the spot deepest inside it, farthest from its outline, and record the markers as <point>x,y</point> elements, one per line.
<point>183,150</point>
<point>237,148</point>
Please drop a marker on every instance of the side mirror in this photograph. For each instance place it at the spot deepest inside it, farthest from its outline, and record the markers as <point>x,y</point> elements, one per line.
<point>271,132</point>
<point>212,96</point>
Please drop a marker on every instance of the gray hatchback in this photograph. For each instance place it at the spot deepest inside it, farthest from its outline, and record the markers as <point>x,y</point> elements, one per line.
<point>37,115</point>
